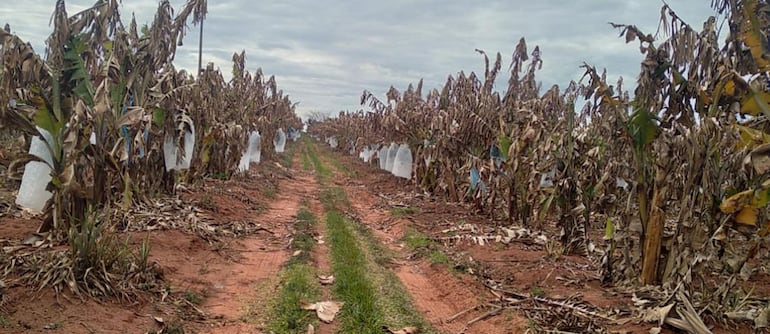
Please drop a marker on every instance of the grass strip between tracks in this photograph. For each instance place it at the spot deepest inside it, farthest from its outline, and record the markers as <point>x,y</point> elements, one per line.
<point>374,296</point>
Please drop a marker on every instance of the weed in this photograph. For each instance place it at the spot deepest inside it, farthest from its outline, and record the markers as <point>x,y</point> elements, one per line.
<point>438,257</point>
<point>334,199</point>
<point>415,240</point>
<point>204,269</point>
<point>403,211</point>
<point>100,263</point>
<point>372,294</point>
<point>381,255</point>
<point>221,176</point>
<point>554,249</point>
<point>207,203</point>
<point>537,292</point>
<point>270,191</point>
<point>4,323</point>
<point>305,215</point>
<point>259,207</point>
<point>258,311</point>
<point>533,326</point>
<point>91,246</point>
<point>174,327</point>
<point>144,253</point>
<point>340,167</point>
<point>193,297</point>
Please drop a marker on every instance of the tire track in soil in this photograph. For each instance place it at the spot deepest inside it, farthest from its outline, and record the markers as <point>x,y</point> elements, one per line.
<point>260,259</point>
<point>437,293</point>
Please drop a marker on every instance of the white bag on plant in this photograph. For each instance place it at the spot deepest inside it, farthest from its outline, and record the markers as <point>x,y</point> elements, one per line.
<point>252,152</point>
<point>37,174</point>
<point>392,151</point>
<point>189,147</point>
<point>382,155</point>
<point>546,180</point>
<point>255,147</point>
<point>402,167</point>
<point>279,141</point>
<point>372,152</point>
<point>243,165</point>
<point>293,134</point>
<point>170,150</point>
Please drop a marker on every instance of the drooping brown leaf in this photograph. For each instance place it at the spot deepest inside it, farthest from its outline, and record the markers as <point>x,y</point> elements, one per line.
<point>657,314</point>
<point>326,310</point>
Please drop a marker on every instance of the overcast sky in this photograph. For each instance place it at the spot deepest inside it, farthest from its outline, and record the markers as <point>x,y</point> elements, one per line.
<point>324,53</point>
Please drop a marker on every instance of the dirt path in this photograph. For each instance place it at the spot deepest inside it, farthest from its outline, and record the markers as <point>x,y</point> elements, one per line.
<point>234,288</point>
<point>437,292</point>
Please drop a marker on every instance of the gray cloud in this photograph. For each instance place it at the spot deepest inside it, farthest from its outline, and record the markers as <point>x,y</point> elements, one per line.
<point>324,53</point>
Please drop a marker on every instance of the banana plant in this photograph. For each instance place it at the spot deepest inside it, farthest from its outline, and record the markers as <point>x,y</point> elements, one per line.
<point>108,95</point>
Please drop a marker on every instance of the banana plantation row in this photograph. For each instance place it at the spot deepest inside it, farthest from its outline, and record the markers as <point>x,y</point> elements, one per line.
<point>106,109</point>
<point>673,172</point>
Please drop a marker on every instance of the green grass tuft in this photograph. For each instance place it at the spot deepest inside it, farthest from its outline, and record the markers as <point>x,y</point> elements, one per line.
<point>269,191</point>
<point>334,199</point>
<point>425,247</point>
<point>537,292</point>
<point>415,240</point>
<point>438,257</point>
